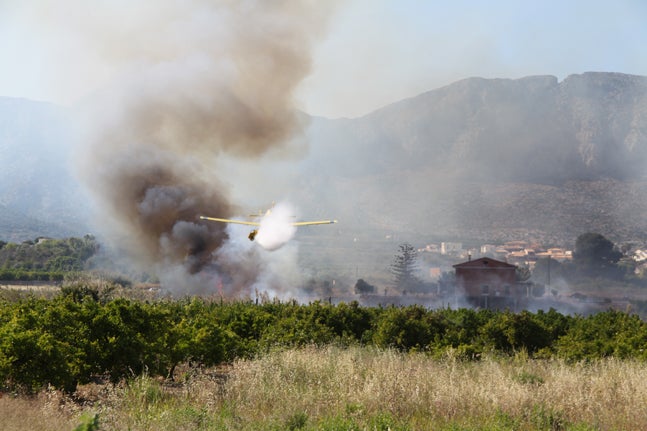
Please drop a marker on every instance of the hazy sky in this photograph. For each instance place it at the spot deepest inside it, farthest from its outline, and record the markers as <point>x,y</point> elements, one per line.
<point>375,51</point>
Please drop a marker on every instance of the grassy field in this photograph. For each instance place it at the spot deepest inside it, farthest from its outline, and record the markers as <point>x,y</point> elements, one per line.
<point>355,389</point>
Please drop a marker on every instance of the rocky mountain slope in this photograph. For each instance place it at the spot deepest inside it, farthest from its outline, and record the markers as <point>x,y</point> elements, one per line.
<point>481,159</point>
<point>493,159</point>
<point>533,129</point>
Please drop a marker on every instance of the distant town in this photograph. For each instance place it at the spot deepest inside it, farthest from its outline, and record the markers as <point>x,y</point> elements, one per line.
<point>520,253</point>
<point>515,252</point>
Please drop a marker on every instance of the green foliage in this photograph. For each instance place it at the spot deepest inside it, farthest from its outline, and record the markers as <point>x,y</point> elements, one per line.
<point>612,333</point>
<point>403,328</point>
<point>363,287</point>
<point>199,336</point>
<point>509,332</point>
<point>89,422</point>
<point>545,418</point>
<point>298,326</point>
<point>350,322</point>
<point>80,334</point>
<point>404,268</point>
<point>386,422</point>
<point>526,378</point>
<point>297,421</point>
<point>595,255</point>
<point>45,259</point>
<point>36,348</point>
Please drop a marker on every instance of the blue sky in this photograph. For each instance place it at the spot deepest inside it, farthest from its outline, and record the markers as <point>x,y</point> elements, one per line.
<point>378,52</point>
<point>374,52</point>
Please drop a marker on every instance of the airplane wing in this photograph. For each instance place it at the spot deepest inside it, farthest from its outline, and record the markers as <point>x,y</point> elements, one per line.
<point>309,223</point>
<point>225,220</point>
<point>254,223</point>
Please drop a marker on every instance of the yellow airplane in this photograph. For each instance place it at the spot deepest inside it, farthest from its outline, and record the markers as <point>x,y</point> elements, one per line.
<point>253,233</point>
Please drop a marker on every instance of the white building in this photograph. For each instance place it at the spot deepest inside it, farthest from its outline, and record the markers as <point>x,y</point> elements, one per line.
<point>451,247</point>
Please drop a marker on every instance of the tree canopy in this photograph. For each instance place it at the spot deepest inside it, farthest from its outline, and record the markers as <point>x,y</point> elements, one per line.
<point>404,268</point>
<point>595,255</point>
<point>48,255</point>
<point>363,287</point>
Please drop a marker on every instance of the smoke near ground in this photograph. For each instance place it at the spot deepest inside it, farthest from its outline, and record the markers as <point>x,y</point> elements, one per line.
<point>203,80</point>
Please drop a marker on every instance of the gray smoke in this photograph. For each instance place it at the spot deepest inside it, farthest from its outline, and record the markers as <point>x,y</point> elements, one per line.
<point>215,79</point>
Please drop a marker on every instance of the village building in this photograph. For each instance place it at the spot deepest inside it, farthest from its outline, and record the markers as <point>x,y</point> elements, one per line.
<point>640,255</point>
<point>489,283</point>
<point>558,254</point>
<point>451,248</point>
<point>511,246</point>
<point>488,249</point>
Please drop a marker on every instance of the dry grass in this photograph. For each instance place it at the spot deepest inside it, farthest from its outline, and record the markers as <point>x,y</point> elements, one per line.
<point>47,411</point>
<point>420,391</point>
<point>362,388</point>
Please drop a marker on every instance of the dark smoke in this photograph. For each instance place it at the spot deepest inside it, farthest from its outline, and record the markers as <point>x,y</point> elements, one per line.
<point>223,87</point>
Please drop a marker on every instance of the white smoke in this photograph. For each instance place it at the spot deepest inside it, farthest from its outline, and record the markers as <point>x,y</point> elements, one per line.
<point>262,268</point>
<point>277,227</point>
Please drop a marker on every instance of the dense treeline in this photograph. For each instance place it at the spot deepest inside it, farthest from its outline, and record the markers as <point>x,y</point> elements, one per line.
<point>81,334</point>
<point>45,259</point>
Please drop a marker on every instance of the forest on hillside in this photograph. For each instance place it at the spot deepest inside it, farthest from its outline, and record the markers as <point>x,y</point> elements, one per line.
<point>46,259</point>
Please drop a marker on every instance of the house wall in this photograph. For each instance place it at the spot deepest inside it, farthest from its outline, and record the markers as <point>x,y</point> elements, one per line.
<point>499,281</point>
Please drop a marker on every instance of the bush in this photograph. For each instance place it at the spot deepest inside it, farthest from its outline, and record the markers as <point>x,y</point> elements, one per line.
<point>79,334</point>
<point>362,287</point>
<point>611,333</point>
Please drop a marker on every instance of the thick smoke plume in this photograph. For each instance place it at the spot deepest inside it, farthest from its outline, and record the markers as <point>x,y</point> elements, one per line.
<point>204,79</point>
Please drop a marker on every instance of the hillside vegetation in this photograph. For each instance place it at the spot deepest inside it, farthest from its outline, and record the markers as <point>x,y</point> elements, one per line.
<point>45,258</point>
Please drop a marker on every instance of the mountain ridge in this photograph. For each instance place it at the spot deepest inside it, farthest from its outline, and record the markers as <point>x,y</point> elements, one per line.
<point>505,116</point>
<point>39,195</point>
<point>477,137</point>
<point>479,158</point>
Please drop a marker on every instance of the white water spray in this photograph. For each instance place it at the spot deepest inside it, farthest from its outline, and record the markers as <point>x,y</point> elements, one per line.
<point>277,227</point>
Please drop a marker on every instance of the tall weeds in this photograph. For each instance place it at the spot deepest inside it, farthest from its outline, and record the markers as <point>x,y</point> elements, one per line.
<point>366,388</point>
<point>359,384</point>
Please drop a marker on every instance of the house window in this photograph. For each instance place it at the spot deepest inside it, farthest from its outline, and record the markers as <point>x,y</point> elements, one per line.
<point>485,289</point>
<point>507,289</point>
